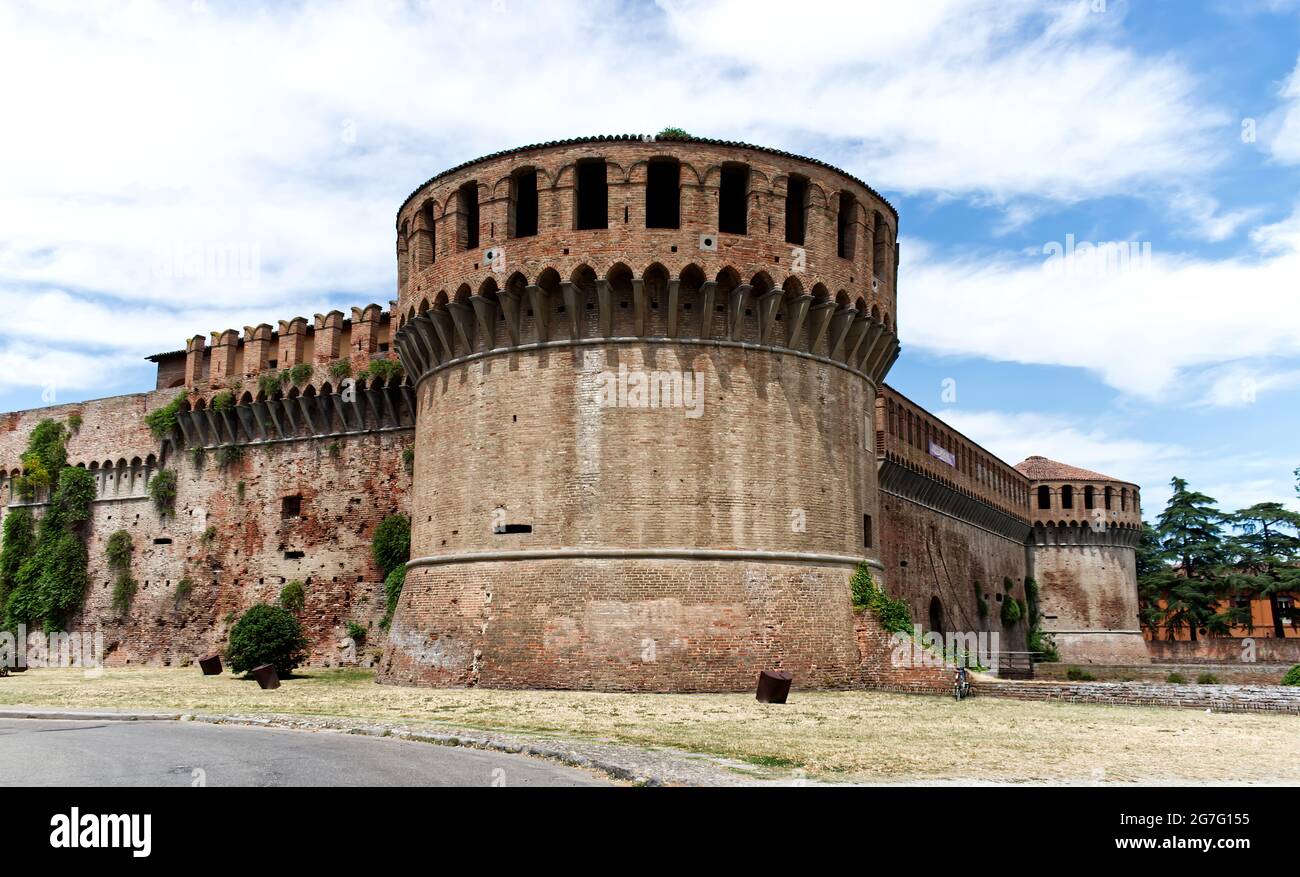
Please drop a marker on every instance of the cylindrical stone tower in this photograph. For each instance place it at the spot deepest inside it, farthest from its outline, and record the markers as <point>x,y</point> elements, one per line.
<point>1086,530</point>
<point>645,450</point>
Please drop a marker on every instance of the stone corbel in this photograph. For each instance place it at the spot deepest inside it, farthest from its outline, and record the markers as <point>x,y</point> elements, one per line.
<point>572,303</point>
<point>443,325</point>
<point>541,312</point>
<point>708,290</point>
<point>856,333</point>
<point>841,322</point>
<point>767,306</point>
<point>485,309</point>
<point>638,308</point>
<point>604,301</point>
<point>736,309</point>
<point>674,297</point>
<point>819,320</point>
<point>797,316</point>
<point>463,316</point>
<point>509,299</point>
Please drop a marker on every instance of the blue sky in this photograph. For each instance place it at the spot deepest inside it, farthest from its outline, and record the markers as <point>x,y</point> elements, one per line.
<point>141,134</point>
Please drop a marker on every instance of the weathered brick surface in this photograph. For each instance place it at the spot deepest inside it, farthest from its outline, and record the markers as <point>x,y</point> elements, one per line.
<point>1214,650</point>
<point>879,668</point>
<point>343,498</point>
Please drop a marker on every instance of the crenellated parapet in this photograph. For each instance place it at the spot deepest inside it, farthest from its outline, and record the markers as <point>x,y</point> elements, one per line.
<point>234,359</point>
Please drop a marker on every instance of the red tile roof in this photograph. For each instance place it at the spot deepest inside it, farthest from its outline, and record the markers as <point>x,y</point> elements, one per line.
<point>1043,469</point>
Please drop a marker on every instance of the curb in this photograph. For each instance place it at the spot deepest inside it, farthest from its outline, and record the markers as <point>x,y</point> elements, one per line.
<point>481,740</point>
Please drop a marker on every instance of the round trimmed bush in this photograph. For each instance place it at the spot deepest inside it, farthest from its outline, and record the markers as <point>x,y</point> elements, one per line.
<point>267,635</point>
<point>1292,676</point>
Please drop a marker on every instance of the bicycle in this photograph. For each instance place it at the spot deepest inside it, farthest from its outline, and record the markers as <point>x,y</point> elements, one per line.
<point>961,684</point>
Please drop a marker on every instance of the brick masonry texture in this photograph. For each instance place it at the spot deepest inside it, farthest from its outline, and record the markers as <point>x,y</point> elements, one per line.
<point>342,499</point>
<point>666,548</point>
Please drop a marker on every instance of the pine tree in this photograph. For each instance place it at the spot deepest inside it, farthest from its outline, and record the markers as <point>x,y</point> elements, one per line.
<point>1266,554</point>
<point>1154,578</point>
<point>1190,530</point>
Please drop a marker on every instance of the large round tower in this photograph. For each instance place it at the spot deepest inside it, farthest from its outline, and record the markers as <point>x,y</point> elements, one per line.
<point>645,450</point>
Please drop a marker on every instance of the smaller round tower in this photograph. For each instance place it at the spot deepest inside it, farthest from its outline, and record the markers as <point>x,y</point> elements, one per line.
<point>1083,549</point>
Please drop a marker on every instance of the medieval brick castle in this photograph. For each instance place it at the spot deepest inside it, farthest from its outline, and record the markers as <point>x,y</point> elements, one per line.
<point>641,433</point>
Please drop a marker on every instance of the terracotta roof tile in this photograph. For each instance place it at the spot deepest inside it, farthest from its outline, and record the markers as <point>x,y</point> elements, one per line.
<point>1042,469</point>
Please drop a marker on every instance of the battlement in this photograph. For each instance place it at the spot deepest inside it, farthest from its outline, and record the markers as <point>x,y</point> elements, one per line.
<point>319,342</point>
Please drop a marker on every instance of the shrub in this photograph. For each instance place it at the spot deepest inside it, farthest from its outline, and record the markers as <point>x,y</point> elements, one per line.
<point>393,591</point>
<point>74,421</point>
<point>408,458</point>
<point>45,457</point>
<point>19,543</point>
<point>299,374</point>
<point>334,449</point>
<point>223,401</point>
<point>229,455</point>
<point>162,488</point>
<point>1074,674</point>
<point>357,632</point>
<point>673,134</point>
<point>123,592</point>
<point>1176,678</point>
<point>391,543</point>
<point>1011,612</point>
<point>118,552</point>
<point>72,498</point>
<point>1207,679</point>
<point>269,383</point>
<point>341,369</point>
<point>267,635</point>
<point>197,455</point>
<point>1044,644</point>
<point>1292,676</point>
<point>293,596</point>
<point>894,615</point>
<point>383,368</point>
<point>52,582</point>
<point>161,421</point>
<point>209,535</point>
<point>862,587</point>
<point>184,588</point>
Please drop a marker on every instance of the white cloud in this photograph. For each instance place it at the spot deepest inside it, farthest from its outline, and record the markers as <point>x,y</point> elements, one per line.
<point>1280,131</point>
<point>298,129</point>
<point>1237,385</point>
<point>1140,327</point>
<point>1234,480</point>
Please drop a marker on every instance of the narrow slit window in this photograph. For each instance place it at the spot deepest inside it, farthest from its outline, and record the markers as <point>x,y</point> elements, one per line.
<point>468,198</point>
<point>663,195</point>
<point>866,531</point>
<point>796,205</point>
<point>733,195</point>
<point>592,195</point>
<point>844,225</point>
<point>525,203</point>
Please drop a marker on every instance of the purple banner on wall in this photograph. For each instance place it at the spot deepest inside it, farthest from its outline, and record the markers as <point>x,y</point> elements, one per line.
<point>943,454</point>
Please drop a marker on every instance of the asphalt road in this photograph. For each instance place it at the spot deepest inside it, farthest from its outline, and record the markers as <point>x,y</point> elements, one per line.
<point>37,752</point>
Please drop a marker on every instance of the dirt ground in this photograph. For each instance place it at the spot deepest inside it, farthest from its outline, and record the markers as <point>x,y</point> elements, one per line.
<point>857,736</point>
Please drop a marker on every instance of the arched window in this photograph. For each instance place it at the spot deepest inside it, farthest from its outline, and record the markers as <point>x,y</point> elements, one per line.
<point>663,200</point>
<point>1067,496</point>
<point>1089,497</point>
<point>936,615</point>
<point>1044,497</point>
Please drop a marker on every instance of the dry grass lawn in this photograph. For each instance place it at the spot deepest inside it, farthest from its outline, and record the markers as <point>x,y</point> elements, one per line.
<point>850,736</point>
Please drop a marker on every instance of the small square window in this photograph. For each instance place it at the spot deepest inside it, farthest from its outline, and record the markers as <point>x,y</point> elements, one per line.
<point>291,507</point>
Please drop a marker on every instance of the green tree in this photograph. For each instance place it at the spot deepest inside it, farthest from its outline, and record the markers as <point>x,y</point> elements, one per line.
<point>1154,578</point>
<point>1265,554</point>
<point>267,635</point>
<point>1190,532</point>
